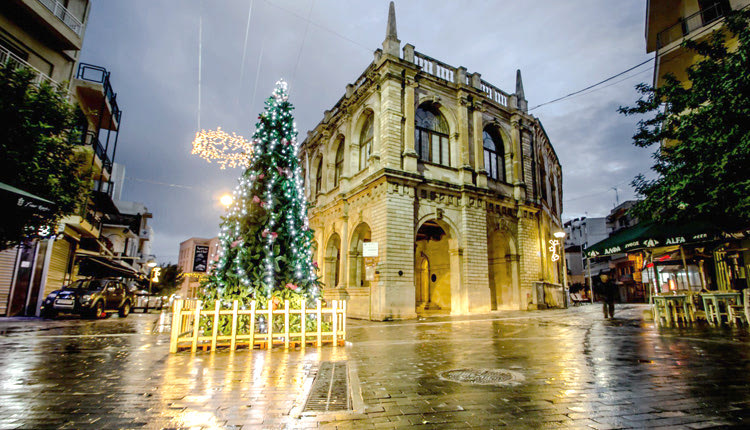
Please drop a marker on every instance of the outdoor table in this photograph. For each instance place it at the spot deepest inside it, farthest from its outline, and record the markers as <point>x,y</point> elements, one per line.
<point>671,303</point>
<point>712,301</point>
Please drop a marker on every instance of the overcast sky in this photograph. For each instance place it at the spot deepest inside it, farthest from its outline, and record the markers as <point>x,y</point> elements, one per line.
<point>319,46</point>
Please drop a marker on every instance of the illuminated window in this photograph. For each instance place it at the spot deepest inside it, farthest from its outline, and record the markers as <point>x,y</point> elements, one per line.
<point>494,154</point>
<point>319,177</point>
<point>338,168</point>
<point>365,141</point>
<point>431,136</point>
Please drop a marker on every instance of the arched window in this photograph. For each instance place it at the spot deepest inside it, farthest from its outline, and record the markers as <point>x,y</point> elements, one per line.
<point>431,136</point>
<point>338,167</point>
<point>319,177</point>
<point>494,154</point>
<point>365,141</point>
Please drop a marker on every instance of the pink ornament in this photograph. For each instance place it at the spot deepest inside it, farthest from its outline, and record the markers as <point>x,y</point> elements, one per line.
<point>274,235</point>
<point>256,199</point>
<point>315,264</point>
<point>265,233</point>
<point>291,286</point>
<point>235,243</point>
<point>261,176</point>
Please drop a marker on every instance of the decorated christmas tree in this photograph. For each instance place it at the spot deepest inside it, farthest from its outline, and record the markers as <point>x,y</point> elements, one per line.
<point>265,249</point>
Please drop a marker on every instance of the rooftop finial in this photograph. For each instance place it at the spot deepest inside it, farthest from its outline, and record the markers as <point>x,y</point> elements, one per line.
<point>390,32</point>
<point>391,44</point>
<point>519,85</point>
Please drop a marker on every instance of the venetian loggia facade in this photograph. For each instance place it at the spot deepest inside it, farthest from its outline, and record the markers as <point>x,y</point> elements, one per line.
<point>453,179</point>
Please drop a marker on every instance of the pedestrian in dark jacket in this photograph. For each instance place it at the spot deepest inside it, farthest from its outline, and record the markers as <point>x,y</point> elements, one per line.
<point>608,291</point>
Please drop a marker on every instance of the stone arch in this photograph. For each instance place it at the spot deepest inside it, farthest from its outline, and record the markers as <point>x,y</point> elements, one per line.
<point>436,242</point>
<point>360,235</point>
<point>332,270</point>
<point>367,114</point>
<point>494,152</point>
<point>503,262</point>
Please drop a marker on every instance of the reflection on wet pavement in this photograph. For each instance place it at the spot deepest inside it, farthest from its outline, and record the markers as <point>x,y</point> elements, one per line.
<point>574,370</point>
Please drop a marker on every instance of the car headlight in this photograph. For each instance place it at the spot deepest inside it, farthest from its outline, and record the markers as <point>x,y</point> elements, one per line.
<point>86,298</point>
<point>52,295</point>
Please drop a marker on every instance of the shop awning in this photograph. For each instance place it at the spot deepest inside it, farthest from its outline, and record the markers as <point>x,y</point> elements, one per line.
<point>102,266</point>
<point>20,200</point>
<point>652,235</point>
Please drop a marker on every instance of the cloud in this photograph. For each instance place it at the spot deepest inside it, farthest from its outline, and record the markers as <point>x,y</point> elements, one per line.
<point>151,48</point>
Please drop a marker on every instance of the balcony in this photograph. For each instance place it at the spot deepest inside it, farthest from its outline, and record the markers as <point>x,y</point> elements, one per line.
<point>10,59</point>
<point>90,138</point>
<point>94,91</point>
<point>685,26</point>
<point>51,21</point>
<point>64,15</point>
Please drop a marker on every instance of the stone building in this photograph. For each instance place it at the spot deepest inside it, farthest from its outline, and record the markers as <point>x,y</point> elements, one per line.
<point>451,178</point>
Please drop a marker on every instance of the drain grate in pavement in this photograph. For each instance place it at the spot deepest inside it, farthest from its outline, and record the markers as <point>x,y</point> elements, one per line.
<point>330,390</point>
<point>483,376</point>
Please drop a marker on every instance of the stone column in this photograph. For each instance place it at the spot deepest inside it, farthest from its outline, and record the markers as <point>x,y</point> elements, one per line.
<point>344,272</point>
<point>478,145</point>
<point>410,153</point>
<point>347,170</point>
<point>464,160</point>
<point>388,128</point>
<point>517,164</point>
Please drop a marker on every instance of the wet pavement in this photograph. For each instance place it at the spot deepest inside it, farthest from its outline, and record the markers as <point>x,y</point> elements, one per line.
<point>552,369</point>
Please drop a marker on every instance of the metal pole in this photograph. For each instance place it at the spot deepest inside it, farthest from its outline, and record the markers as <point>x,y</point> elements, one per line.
<point>684,265</point>
<point>150,281</point>
<point>591,282</point>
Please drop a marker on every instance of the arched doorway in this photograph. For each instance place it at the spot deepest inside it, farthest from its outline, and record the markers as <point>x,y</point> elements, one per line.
<point>357,273</point>
<point>333,261</point>
<point>503,271</point>
<point>433,268</point>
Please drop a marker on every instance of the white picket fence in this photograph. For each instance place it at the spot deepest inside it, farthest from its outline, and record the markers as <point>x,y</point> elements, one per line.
<point>187,316</point>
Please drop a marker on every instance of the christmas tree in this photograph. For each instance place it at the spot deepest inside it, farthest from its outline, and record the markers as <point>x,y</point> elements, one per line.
<point>265,240</point>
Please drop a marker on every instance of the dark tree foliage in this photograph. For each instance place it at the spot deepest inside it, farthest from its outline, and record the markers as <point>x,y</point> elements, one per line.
<point>36,153</point>
<point>703,129</point>
<point>169,279</point>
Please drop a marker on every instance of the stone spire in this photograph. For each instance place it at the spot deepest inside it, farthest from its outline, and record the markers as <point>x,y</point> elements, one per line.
<point>520,97</point>
<point>391,44</point>
<point>519,85</point>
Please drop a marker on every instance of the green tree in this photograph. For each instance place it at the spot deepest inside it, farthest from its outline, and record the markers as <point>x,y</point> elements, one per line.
<point>170,278</point>
<point>37,155</point>
<point>265,239</point>
<point>703,129</point>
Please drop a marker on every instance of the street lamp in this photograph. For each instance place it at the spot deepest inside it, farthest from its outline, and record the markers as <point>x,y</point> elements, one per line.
<point>153,275</point>
<point>561,235</point>
<point>226,200</point>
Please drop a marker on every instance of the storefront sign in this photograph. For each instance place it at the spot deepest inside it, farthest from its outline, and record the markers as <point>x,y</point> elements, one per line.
<point>200,260</point>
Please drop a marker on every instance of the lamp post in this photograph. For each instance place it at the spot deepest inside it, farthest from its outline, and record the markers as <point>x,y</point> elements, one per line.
<point>561,235</point>
<point>153,273</point>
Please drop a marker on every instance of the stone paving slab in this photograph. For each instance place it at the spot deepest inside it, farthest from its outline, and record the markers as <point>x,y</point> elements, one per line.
<point>573,370</point>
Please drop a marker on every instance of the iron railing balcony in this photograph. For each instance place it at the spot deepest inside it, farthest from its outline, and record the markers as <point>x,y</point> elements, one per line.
<point>684,26</point>
<point>10,59</point>
<point>91,139</point>
<point>61,12</point>
<point>100,75</point>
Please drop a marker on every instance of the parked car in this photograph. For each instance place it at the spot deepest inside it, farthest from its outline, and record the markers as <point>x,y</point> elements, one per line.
<point>95,298</point>
<point>142,298</point>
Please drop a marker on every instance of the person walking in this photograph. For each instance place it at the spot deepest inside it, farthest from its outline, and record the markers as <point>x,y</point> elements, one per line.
<point>609,292</point>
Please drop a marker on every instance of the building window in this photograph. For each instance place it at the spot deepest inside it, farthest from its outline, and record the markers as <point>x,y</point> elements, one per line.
<point>712,10</point>
<point>338,168</point>
<point>319,177</point>
<point>494,154</point>
<point>431,136</point>
<point>365,141</point>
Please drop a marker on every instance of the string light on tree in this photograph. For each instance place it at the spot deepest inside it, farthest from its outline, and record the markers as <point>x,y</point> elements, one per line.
<point>265,240</point>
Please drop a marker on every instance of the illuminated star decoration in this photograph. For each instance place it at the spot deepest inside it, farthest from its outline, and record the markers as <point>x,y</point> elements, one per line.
<point>227,149</point>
